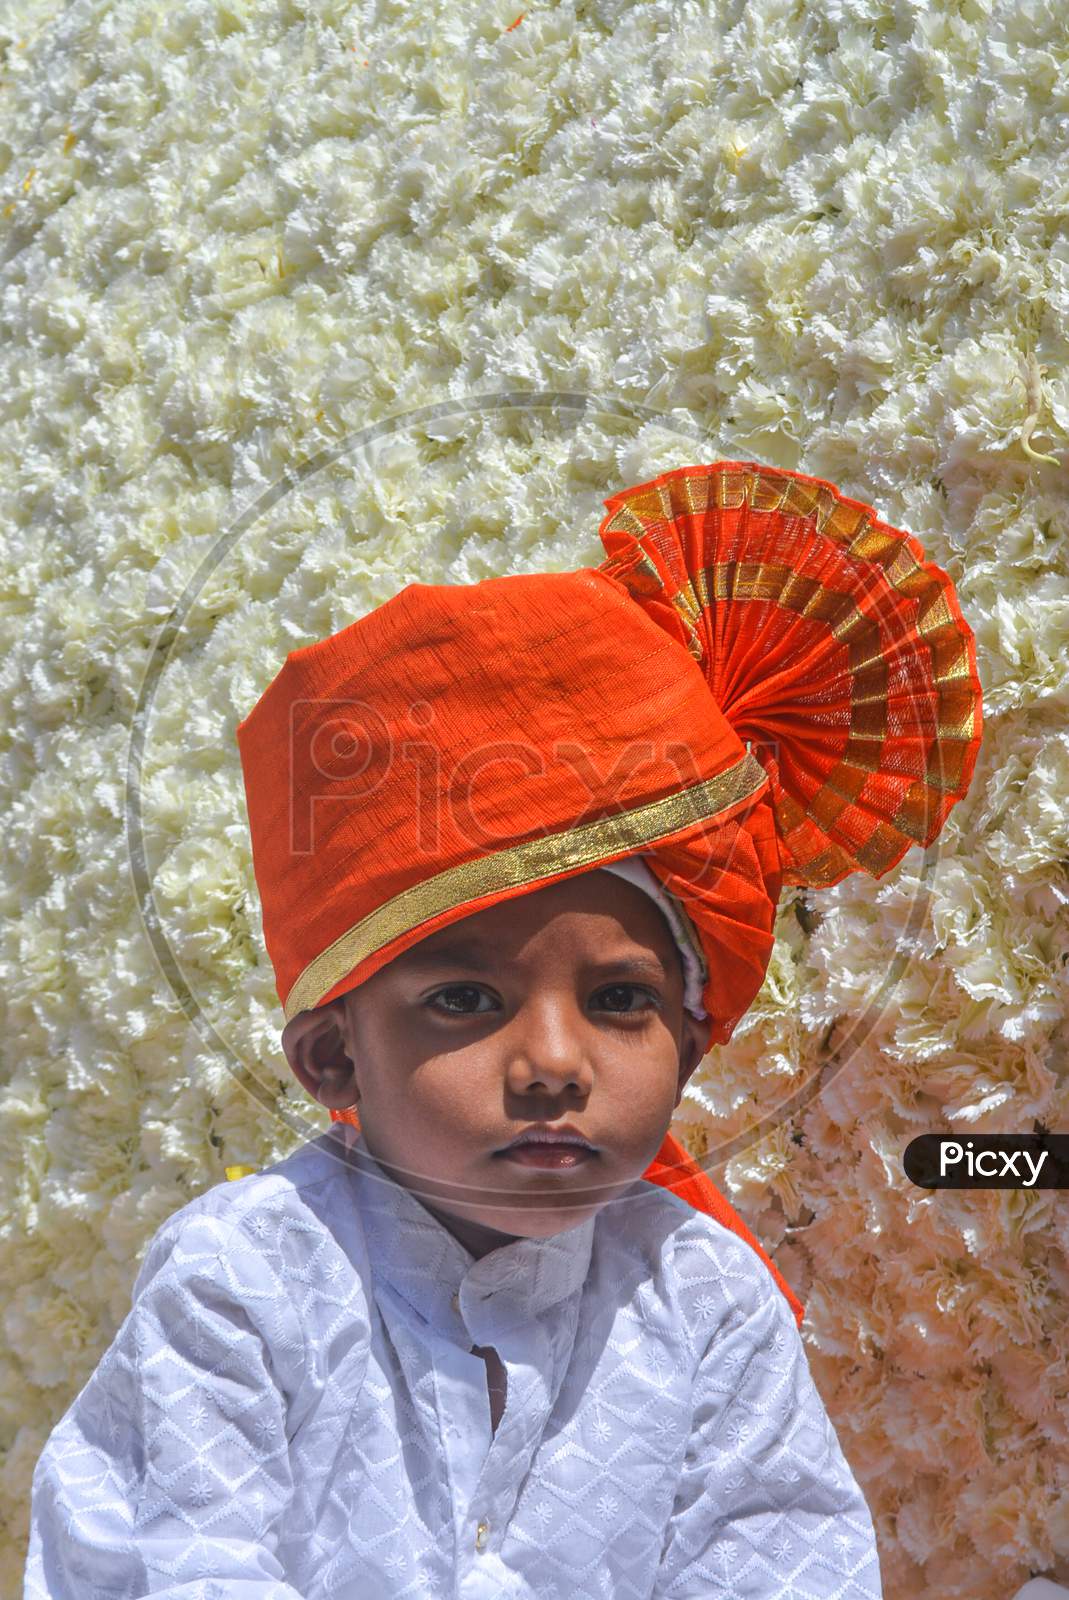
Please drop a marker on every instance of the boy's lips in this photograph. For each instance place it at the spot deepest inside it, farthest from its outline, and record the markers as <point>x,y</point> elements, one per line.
<point>548,1136</point>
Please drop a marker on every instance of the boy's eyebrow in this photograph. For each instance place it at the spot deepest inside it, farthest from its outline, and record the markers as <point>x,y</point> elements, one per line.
<point>454,952</point>
<point>482,958</point>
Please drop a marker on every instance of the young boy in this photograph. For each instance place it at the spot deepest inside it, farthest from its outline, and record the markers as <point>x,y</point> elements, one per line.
<point>417,1357</point>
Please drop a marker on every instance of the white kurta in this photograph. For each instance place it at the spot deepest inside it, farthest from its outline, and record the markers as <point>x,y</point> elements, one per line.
<point>292,1410</point>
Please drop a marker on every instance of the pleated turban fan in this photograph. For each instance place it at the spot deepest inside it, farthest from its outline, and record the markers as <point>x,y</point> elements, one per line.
<point>761,685</point>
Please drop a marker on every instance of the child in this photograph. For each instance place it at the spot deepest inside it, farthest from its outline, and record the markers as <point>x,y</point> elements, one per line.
<point>519,846</point>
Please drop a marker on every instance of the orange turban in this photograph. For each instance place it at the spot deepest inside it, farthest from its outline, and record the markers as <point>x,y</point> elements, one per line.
<point>762,685</point>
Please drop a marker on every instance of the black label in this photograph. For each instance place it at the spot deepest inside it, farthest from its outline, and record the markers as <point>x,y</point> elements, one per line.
<point>988,1161</point>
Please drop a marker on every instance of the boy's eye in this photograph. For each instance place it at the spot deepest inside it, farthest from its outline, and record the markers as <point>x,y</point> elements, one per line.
<point>616,990</point>
<point>466,991</point>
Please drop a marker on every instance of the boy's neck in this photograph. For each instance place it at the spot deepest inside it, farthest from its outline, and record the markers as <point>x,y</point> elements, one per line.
<point>476,1237</point>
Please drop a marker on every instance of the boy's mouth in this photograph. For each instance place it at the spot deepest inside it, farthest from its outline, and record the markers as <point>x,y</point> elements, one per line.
<point>559,1146</point>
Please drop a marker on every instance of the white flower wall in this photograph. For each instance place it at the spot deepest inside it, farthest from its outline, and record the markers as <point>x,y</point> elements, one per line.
<point>827,236</point>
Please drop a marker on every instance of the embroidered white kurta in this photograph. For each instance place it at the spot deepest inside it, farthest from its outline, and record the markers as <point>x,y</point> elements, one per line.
<point>291,1410</point>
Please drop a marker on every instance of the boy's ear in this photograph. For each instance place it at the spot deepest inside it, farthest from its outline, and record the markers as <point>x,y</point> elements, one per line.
<point>693,1046</point>
<point>314,1044</point>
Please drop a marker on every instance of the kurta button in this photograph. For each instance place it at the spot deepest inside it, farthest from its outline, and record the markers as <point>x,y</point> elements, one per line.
<point>480,1534</point>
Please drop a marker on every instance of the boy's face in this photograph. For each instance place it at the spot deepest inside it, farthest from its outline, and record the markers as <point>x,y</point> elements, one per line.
<point>561,1005</point>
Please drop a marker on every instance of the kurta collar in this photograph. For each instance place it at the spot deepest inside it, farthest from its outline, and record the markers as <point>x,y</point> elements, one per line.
<point>417,1256</point>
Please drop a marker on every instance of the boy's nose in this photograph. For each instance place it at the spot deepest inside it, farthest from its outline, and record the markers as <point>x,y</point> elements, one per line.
<point>546,1046</point>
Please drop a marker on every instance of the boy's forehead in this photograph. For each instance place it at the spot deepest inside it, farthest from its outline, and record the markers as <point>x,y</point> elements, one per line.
<point>479,937</point>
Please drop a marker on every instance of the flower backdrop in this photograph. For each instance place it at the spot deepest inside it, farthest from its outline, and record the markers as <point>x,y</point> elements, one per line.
<point>826,236</point>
